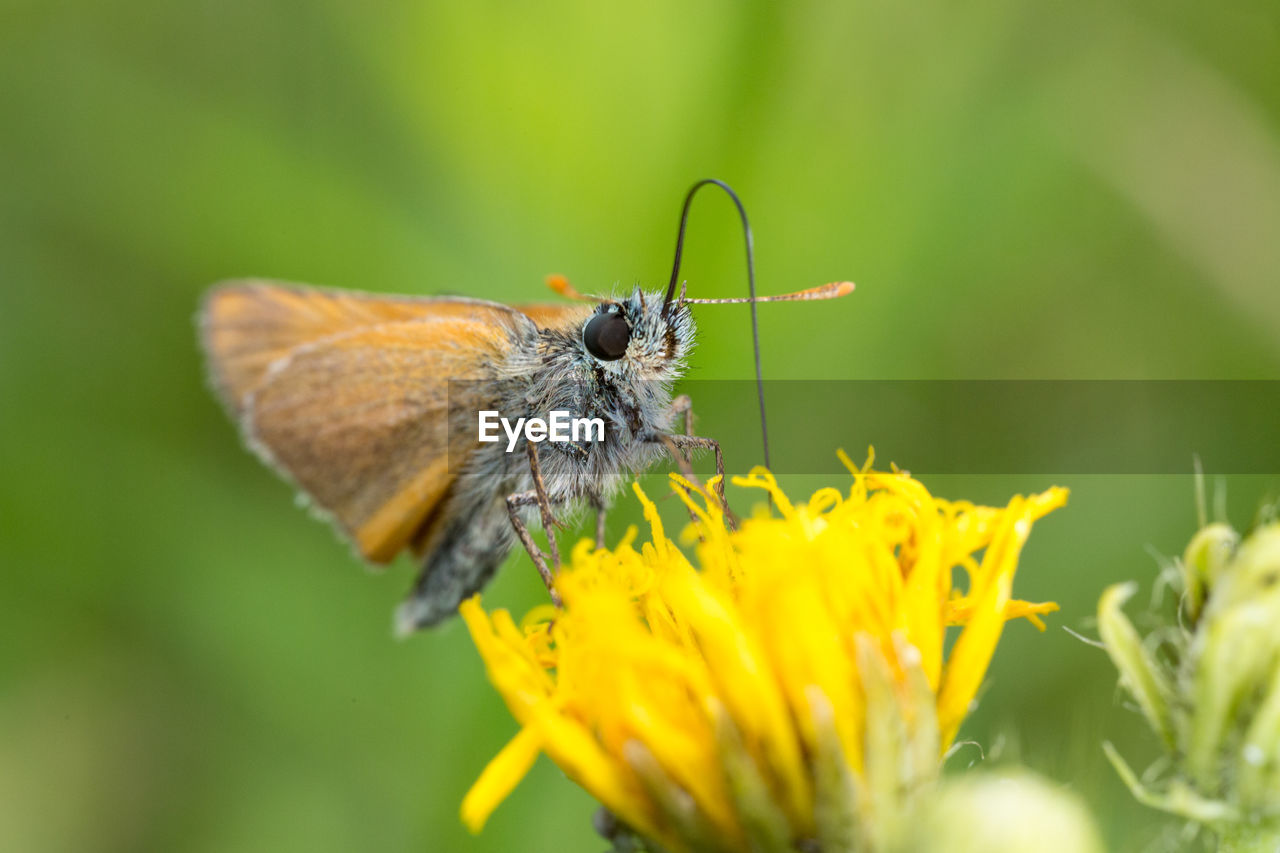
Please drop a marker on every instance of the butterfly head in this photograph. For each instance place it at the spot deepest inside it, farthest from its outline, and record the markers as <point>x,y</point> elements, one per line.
<point>639,336</point>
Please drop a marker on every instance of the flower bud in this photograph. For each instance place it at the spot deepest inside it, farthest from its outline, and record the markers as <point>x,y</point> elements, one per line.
<point>1002,812</point>
<point>1212,692</point>
<point>1206,556</point>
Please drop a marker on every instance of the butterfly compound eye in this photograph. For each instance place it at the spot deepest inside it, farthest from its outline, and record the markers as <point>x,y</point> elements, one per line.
<point>606,336</point>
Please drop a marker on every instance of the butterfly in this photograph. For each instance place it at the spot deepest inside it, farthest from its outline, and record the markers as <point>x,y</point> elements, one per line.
<point>373,407</point>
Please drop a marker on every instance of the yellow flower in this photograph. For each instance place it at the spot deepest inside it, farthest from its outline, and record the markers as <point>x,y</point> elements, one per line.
<point>794,689</point>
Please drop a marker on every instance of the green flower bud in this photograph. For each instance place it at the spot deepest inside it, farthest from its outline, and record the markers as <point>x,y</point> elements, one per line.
<point>1212,693</point>
<point>1140,673</point>
<point>1206,556</point>
<point>1002,812</point>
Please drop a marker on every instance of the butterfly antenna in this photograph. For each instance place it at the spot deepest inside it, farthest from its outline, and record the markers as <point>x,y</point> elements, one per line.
<point>751,285</point>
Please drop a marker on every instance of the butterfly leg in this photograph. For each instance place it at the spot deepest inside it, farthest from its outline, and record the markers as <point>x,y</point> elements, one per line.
<point>549,521</point>
<point>677,444</point>
<point>515,503</point>
<point>597,503</point>
<point>683,405</point>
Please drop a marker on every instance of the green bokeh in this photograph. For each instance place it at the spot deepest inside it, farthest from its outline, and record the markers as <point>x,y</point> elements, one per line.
<point>1066,190</point>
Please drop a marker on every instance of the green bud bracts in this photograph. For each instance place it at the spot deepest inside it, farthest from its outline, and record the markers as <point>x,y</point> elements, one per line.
<point>1209,685</point>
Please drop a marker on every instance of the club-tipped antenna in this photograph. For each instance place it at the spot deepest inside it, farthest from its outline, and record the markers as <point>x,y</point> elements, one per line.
<point>751,285</point>
<point>834,290</point>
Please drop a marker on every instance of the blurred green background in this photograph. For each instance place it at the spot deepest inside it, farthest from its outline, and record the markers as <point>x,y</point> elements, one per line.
<point>1021,190</point>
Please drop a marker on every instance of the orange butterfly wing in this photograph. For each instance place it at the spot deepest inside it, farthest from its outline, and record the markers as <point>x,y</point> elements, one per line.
<point>348,394</point>
<point>553,316</point>
<point>247,325</point>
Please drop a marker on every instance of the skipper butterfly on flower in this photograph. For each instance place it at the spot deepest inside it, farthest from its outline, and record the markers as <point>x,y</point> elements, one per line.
<point>373,406</point>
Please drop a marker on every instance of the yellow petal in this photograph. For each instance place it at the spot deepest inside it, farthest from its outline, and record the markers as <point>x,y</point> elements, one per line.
<point>499,778</point>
